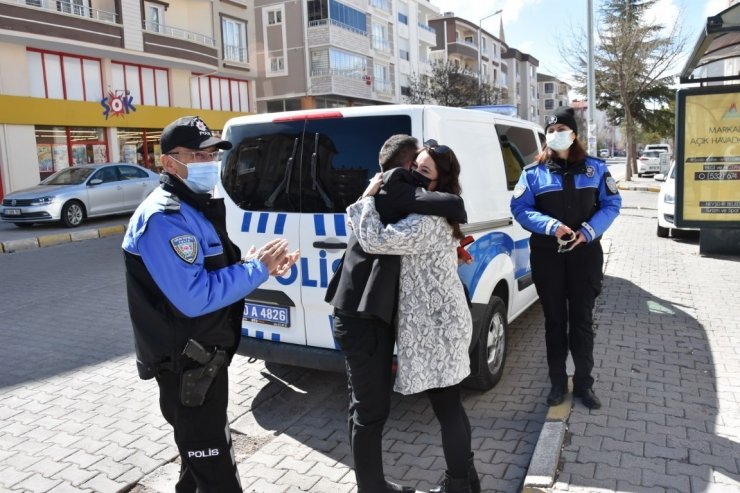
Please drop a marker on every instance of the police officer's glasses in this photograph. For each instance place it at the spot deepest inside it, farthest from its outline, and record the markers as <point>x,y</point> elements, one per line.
<point>199,156</point>
<point>434,146</point>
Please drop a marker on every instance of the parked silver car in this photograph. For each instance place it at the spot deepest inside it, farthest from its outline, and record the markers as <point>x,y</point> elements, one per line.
<point>73,194</point>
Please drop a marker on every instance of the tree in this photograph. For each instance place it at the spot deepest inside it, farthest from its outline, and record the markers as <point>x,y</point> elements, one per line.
<point>450,84</point>
<point>632,68</point>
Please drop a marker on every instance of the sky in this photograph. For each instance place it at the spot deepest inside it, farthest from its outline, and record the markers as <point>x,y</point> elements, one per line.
<point>534,26</point>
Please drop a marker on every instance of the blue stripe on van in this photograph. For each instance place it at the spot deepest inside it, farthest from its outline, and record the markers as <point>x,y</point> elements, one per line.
<point>483,251</point>
<point>280,223</point>
<point>246,221</point>
<point>262,223</point>
<point>259,334</point>
<point>339,225</point>
<point>275,337</point>
<point>318,224</point>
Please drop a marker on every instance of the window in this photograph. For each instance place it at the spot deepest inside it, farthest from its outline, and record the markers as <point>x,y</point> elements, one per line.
<point>405,91</point>
<point>403,18</point>
<point>147,85</point>
<point>277,64</point>
<point>549,104</point>
<point>131,173</point>
<point>380,39</point>
<point>531,92</point>
<point>140,146</point>
<point>519,148</point>
<point>347,16</point>
<point>382,79</point>
<point>549,87</point>
<point>57,147</point>
<point>234,36</point>
<point>347,64</point>
<point>345,152</point>
<point>219,93</point>
<point>274,17</point>
<point>62,76</point>
<point>404,55</point>
<point>76,7</point>
<point>484,46</point>
<point>154,17</point>
<point>318,10</point>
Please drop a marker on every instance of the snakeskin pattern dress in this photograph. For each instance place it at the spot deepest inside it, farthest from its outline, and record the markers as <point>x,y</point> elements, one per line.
<point>434,321</point>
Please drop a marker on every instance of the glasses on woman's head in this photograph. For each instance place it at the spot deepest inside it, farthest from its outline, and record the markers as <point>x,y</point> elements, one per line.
<point>199,156</point>
<point>434,146</point>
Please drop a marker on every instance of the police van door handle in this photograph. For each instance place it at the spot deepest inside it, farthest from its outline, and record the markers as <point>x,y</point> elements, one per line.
<point>330,245</point>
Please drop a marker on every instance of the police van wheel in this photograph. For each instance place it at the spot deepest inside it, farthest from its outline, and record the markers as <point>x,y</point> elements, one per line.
<point>662,232</point>
<point>491,347</point>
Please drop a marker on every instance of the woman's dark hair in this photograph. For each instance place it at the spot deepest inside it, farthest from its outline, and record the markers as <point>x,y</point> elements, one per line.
<point>448,176</point>
<point>576,153</point>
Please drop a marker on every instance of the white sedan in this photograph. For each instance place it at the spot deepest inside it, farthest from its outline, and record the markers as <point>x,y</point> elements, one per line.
<point>667,204</point>
<point>648,163</point>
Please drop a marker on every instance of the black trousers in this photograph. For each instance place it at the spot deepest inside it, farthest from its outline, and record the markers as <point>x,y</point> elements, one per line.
<point>367,345</point>
<point>202,436</point>
<point>568,284</point>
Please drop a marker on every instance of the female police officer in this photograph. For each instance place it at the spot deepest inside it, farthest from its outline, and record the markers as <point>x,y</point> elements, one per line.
<point>567,200</point>
<point>186,286</point>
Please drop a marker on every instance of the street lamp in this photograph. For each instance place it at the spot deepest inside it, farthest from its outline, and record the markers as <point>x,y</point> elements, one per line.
<point>480,58</point>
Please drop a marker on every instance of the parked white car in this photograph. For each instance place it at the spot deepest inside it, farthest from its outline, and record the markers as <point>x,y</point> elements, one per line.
<point>648,163</point>
<point>667,204</point>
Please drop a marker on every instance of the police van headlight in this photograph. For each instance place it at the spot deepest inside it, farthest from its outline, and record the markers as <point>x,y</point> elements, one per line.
<point>669,198</point>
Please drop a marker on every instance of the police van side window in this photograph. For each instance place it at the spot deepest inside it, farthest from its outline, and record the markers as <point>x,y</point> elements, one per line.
<point>310,166</point>
<point>518,148</point>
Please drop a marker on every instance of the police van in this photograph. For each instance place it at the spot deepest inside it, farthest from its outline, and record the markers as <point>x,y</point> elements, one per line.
<point>293,174</point>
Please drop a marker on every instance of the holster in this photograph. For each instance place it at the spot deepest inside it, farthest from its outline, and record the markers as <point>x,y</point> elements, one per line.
<point>196,381</point>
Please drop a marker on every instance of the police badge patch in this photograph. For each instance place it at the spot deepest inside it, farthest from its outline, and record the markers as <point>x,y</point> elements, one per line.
<point>590,171</point>
<point>611,185</point>
<point>186,247</point>
<point>519,191</point>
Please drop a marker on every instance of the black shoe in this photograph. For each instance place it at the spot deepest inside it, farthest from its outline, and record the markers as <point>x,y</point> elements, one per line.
<point>556,395</point>
<point>588,398</point>
<point>452,485</point>
<point>397,488</point>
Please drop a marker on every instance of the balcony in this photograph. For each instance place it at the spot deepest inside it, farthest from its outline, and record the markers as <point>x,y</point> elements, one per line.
<point>383,88</point>
<point>69,21</point>
<point>381,45</point>
<point>465,49</point>
<point>172,41</point>
<point>346,82</point>
<point>324,32</point>
<point>427,34</point>
<point>382,6</point>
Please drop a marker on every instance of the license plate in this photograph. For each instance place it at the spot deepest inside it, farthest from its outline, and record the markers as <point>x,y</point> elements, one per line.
<point>12,212</point>
<point>267,314</point>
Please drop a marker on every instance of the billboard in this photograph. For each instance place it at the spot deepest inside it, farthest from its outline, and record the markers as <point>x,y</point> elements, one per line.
<point>708,157</point>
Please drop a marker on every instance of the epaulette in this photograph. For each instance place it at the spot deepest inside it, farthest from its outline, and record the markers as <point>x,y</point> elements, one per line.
<point>172,204</point>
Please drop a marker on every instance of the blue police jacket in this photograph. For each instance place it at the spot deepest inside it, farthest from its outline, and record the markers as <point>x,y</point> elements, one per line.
<point>583,196</point>
<point>184,277</point>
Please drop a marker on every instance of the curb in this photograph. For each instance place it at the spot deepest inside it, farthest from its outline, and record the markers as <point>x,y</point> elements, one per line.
<point>639,188</point>
<point>12,246</point>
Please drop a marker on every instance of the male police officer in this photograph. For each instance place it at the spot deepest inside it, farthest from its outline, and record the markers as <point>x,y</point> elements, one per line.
<point>186,285</point>
<point>364,293</point>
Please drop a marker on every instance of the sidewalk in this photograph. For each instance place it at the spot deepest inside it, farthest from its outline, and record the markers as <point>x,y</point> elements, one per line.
<point>666,364</point>
<point>640,184</point>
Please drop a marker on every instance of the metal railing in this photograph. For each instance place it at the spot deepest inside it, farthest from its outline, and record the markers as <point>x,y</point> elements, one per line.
<point>383,86</point>
<point>235,54</point>
<point>176,32</point>
<point>66,7</point>
<point>324,22</point>
<point>427,27</point>
<point>380,44</point>
<point>351,73</point>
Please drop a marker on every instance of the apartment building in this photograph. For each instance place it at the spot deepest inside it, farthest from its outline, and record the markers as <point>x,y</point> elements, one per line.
<point>522,83</point>
<point>331,53</point>
<point>85,81</point>
<point>553,93</point>
<point>472,48</point>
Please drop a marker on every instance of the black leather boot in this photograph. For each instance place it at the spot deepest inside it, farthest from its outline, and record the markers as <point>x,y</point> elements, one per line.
<point>473,475</point>
<point>453,485</point>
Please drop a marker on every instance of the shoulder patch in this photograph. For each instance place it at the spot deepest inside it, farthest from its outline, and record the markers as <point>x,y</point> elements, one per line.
<point>519,191</point>
<point>611,184</point>
<point>186,247</point>
<point>590,171</point>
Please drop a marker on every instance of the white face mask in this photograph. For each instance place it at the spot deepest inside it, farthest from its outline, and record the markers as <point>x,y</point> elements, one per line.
<point>559,141</point>
<point>202,177</point>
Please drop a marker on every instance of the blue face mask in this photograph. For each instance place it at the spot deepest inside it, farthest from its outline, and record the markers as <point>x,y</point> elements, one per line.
<point>202,177</point>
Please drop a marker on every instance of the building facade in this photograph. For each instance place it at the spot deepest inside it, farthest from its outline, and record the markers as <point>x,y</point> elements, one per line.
<point>469,46</point>
<point>331,53</point>
<point>85,81</point>
<point>552,94</point>
<point>522,83</point>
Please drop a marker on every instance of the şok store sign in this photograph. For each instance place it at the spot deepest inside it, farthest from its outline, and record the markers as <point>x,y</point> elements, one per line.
<point>708,157</point>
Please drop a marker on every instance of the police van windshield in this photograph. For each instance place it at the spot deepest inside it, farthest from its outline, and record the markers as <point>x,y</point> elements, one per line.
<point>306,165</point>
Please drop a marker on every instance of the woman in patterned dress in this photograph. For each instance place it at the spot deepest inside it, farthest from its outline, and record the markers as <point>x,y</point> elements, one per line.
<point>434,321</point>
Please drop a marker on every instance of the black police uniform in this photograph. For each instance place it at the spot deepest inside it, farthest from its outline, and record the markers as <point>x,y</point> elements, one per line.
<point>584,197</point>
